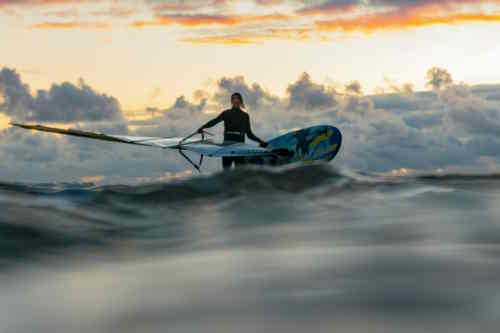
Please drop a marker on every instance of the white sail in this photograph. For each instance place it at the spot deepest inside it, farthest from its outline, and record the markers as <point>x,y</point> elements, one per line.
<point>196,145</point>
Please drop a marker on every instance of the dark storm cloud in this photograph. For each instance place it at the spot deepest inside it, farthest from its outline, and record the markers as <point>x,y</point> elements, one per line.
<point>63,103</point>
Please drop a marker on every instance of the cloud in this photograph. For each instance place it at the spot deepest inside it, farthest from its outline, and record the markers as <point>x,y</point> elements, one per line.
<point>36,2</point>
<point>245,22</point>
<point>319,19</point>
<point>453,128</point>
<point>116,12</point>
<point>393,21</point>
<point>174,7</point>
<point>353,88</point>
<point>438,78</point>
<point>196,20</point>
<point>255,95</point>
<point>180,119</point>
<point>405,102</point>
<point>71,25</point>
<point>379,15</point>
<point>308,95</point>
<point>328,7</point>
<point>62,103</point>
<point>250,36</point>
<point>268,2</point>
<point>377,139</point>
<point>472,113</point>
<point>424,120</point>
<point>189,5</point>
<point>64,13</point>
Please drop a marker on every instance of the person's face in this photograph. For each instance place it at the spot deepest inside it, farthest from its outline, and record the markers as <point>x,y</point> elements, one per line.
<point>235,101</point>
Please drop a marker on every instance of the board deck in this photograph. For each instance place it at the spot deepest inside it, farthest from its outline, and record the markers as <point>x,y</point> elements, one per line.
<point>318,143</point>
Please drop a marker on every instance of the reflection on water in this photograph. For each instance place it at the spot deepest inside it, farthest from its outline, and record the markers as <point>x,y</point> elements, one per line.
<point>304,249</point>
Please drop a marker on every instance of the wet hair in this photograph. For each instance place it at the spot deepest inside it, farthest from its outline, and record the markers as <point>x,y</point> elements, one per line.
<point>236,94</point>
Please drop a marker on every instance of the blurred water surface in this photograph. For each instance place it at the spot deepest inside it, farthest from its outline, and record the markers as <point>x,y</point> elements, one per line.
<point>295,250</point>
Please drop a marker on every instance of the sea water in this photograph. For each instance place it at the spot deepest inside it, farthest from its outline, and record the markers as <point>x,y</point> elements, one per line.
<point>306,249</point>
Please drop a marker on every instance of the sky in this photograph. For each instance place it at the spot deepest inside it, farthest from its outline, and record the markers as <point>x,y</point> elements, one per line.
<point>412,84</point>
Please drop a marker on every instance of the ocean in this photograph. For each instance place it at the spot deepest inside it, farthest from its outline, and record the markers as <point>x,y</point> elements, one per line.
<point>303,249</point>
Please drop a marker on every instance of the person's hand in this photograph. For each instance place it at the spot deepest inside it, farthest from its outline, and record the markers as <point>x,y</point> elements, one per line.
<point>264,144</point>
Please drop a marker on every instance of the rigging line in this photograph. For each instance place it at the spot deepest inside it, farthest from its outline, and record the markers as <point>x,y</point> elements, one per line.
<point>191,161</point>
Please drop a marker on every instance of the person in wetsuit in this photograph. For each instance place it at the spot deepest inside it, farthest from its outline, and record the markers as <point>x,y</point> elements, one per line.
<point>236,126</point>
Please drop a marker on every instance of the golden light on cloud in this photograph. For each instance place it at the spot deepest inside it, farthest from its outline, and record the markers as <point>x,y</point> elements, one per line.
<point>318,22</point>
<point>92,179</point>
<point>167,176</point>
<point>297,35</point>
<point>4,120</point>
<point>71,25</point>
<point>400,172</point>
<point>224,40</point>
<point>202,20</point>
<point>373,23</point>
<point>242,22</point>
<point>177,54</point>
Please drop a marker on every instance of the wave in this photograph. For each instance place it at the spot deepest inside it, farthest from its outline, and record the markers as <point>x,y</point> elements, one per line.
<point>275,241</point>
<point>238,181</point>
<point>251,180</point>
<point>40,219</point>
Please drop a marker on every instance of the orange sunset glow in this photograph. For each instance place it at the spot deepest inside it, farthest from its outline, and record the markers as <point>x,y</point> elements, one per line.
<point>146,53</point>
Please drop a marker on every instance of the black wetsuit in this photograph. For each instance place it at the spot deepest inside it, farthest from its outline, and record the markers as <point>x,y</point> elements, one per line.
<point>236,126</point>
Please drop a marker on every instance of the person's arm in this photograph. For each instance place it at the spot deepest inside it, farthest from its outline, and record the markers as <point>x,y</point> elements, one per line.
<point>253,137</point>
<point>212,122</point>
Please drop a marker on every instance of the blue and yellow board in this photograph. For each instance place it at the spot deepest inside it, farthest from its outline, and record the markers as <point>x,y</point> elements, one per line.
<point>318,143</point>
